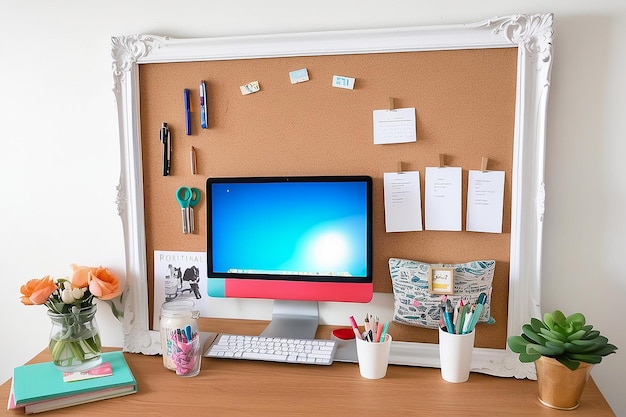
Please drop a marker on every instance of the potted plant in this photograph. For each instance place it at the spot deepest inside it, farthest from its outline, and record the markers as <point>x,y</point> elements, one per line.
<point>564,349</point>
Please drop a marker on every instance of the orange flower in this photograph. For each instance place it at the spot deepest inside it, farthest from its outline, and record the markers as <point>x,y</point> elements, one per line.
<point>37,291</point>
<point>103,284</point>
<point>80,277</point>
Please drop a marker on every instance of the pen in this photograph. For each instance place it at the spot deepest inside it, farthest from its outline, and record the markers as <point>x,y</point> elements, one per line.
<point>480,304</point>
<point>355,328</point>
<point>383,334</point>
<point>379,333</point>
<point>203,106</point>
<point>447,316</point>
<point>164,135</point>
<point>468,318</point>
<point>187,97</point>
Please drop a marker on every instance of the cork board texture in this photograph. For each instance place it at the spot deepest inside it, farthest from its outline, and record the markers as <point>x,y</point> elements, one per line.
<point>465,107</point>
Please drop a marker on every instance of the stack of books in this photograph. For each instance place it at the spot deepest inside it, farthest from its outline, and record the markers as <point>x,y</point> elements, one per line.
<point>42,387</point>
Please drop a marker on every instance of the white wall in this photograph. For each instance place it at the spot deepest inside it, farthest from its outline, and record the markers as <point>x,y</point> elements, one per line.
<point>59,150</point>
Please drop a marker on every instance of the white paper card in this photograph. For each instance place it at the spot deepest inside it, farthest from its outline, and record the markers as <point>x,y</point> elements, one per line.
<point>343,82</point>
<point>443,198</point>
<point>299,76</point>
<point>485,201</point>
<point>249,88</point>
<point>394,126</point>
<point>403,209</point>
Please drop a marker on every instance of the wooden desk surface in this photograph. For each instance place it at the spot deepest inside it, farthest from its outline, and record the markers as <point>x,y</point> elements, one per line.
<point>227,387</point>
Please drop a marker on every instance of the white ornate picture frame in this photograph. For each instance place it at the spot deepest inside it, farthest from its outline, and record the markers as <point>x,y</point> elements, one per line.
<point>531,34</point>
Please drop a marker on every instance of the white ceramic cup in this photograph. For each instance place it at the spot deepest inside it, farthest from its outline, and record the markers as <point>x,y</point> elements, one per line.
<point>455,355</point>
<point>373,357</point>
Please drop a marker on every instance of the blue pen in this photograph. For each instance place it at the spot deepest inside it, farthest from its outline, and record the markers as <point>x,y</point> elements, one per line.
<point>188,333</point>
<point>203,106</point>
<point>448,316</point>
<point>187,97</point>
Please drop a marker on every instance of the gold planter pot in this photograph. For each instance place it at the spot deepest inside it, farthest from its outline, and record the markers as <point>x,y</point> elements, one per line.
<point>560,387</point>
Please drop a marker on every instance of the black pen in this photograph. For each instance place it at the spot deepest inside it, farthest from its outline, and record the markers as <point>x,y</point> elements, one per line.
<point>167,149</point>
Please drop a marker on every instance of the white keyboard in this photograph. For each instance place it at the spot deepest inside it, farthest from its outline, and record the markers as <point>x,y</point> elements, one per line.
<point>273,349</point>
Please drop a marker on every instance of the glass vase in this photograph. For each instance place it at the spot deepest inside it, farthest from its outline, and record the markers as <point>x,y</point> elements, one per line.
<point>75,340</point>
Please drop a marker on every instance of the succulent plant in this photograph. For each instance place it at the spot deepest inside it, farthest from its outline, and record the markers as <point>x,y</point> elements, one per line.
<point>567,339</point>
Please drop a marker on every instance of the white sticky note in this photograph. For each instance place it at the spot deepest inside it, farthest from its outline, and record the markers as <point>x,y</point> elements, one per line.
<point>299,76</point>
<point>394,126</point>
<point>485,201</point>
<point>250,88</point>
<point>340,81</point>
<point>403,209</point>
<point>442,201</point>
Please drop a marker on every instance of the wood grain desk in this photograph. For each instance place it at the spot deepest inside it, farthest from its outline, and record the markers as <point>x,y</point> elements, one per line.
<point>249,388</point>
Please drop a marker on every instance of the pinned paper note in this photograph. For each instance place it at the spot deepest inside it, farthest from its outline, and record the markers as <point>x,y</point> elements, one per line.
<point>250,88</point>
<point>343,82</point>
<point>403,209</point>
<point>485,201</point>
<point>394,126</point>
<point>299,76</point>
<point>443,198</point>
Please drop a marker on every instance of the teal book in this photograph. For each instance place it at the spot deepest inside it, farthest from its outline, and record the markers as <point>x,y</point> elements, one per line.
<point>52,392</point>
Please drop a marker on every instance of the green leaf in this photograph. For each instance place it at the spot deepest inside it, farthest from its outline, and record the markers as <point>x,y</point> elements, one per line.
<point>558,317</point>
<point>577,335</point>
<point>537,324</point>
<point>528,357</point>
<point>573,365</point>
<point>552,335</point>
<point>605,350</point>
<point>528,331</point>
<point>592,335</point>
<point>517,344</point>
<point>577,320</point>
<point>559,347</point>
<point>585,357</point>
<point>533,349</point>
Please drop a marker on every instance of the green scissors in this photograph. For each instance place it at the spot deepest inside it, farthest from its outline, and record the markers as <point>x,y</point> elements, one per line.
<point>187,198</point>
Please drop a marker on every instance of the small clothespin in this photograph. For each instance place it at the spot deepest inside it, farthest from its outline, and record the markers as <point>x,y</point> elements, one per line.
<point>392,104</point>
<point>442,160</point>
<point>483,164</point>
<point>193,161</point>
<point>399,167</point>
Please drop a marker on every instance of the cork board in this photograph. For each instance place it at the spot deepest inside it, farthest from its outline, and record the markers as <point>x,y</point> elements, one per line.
<point>465,106</point>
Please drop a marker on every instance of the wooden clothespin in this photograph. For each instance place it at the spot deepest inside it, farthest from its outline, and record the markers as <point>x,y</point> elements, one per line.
<point>392,104</point>
<point>483,164</point>
<point>193,161</point>
<point>442,160</point>
<point>399,167</point>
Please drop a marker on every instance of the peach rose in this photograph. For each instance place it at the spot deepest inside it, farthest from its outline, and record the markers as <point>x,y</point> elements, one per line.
<point>80,276</point>
<point>37,291</point>
<point>103,284</point>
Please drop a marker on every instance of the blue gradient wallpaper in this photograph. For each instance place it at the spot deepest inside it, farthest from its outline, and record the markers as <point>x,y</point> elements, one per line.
<point>297,228</point>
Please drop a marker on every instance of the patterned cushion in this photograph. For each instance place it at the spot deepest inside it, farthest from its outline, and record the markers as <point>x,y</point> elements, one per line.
<point>415,306</point>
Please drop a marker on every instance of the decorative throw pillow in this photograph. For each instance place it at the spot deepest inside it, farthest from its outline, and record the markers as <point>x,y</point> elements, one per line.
<point>416,306</point>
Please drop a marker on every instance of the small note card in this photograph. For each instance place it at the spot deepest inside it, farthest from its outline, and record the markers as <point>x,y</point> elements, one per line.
<point>101,370</point>
<point>250,88</point>
<point>343,82</point>
<point>299,76</point>
<point>394,126</point>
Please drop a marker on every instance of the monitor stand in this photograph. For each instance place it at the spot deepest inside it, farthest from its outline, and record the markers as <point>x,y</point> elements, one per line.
<point>293,319</point>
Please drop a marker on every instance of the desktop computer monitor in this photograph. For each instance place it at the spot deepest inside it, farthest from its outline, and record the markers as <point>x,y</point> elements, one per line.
<point>295,240</point>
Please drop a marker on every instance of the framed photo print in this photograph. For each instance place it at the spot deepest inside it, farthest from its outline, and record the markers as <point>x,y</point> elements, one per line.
<point>440,280</point>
